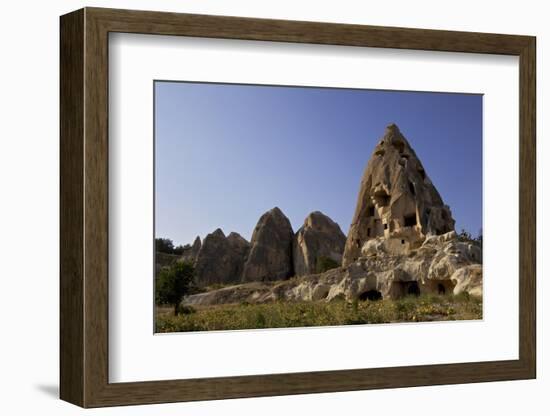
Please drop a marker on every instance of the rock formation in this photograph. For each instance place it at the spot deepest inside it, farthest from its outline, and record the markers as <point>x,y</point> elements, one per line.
<point>401,242</point>
<point>270,256</point>
<point>190,254</point>
<point>221,259</point>
<point>319,237</point>
<point>442,265</point>
<point>397,200</point>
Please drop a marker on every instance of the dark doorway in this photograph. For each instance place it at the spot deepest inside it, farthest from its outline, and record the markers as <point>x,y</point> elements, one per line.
<point>409,220</point>
<point>440,289</point>
<point>370,295</point>
<point>413,289</point>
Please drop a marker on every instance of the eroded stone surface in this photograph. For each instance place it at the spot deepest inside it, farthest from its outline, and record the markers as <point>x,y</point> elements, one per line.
<point>441,265</point>
<point>319,237</point>
<point>221,259</point>
<point>270,256</point>
<point>397,200</point>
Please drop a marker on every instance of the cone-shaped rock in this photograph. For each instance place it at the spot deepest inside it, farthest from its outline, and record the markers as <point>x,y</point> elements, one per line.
<point>190,254</point>
<point>397,200</point>
<point>318,239</point>
<point>270,256</point>
<point>221,258</point>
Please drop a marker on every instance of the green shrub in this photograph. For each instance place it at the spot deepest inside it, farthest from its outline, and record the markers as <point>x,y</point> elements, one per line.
<point>325,263</point>
<point>173,284</point>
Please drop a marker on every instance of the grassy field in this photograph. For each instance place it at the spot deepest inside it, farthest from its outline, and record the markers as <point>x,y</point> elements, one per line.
<point>300,314</point>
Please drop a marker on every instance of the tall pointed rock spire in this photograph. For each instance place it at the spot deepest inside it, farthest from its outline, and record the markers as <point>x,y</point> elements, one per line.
<point>397,199</point>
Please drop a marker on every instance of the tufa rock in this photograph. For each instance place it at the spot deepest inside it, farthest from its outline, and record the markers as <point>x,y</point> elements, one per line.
<point>221,259</point>
<point>270,256</point>
<point>190,255</point>
<point>319,237</point>
<point>441,265</point>
<point>397,200</point>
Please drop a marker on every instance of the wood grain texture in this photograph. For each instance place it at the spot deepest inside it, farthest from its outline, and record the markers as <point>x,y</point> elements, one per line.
<point>84,207</point>
<point>71,213</point>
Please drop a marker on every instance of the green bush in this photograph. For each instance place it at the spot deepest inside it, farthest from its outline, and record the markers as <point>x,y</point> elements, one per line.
<point>173,284</point>
<point>325,263</point>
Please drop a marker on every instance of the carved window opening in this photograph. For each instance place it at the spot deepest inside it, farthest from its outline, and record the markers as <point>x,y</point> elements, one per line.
<point>409,220</point>
<point>370,211</point>
<point>382,199</point>
<point>440,288</point>
<point>400,146</point>
<point>411,188</point>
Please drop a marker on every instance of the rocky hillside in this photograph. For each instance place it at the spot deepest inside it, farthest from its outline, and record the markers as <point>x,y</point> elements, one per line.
<point>442,264</point>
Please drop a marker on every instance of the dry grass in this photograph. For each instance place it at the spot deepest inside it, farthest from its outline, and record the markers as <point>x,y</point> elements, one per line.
<point>302,314</point>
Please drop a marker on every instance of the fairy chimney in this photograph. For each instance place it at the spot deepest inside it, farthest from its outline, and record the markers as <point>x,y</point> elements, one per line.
<point>397,200</point>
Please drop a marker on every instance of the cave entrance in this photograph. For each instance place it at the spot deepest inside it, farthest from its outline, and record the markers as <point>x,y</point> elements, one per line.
<point>441,289</point>
<point>372,295</point>
<point>413,289</point>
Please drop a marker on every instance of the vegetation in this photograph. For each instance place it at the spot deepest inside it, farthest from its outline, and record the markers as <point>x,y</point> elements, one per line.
<point>165,245</point>
<point>324,264</point>
<point>336,312</point>
<point>173,284</point>
<point>465,236</point>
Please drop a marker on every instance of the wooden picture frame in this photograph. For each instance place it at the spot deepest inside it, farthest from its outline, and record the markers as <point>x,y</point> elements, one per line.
<point>84,207</point>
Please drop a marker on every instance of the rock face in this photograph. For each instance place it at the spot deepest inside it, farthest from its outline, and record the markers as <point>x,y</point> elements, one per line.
<point>190,255</point>
<point>397,200</point>
<point>441,265</point>
<point>270,256</point>
<point>319,237</point>
<point>221,259</point>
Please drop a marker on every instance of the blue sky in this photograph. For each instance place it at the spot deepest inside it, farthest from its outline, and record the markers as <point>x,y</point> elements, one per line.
<point>225,153</point>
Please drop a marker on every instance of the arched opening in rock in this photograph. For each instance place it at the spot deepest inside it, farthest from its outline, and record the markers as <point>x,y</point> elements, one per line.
<point>413,289</point>
<point>372,295</point>
<point>441,287</point>
<point>409,220</point>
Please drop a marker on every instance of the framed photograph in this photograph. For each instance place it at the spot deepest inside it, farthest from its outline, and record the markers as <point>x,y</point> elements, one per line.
<point>255,207</point>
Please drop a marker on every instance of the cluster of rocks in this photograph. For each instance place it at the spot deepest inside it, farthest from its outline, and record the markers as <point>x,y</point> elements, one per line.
<point>274,253</point>
<point>401,241</point>
<point>442,264</point>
